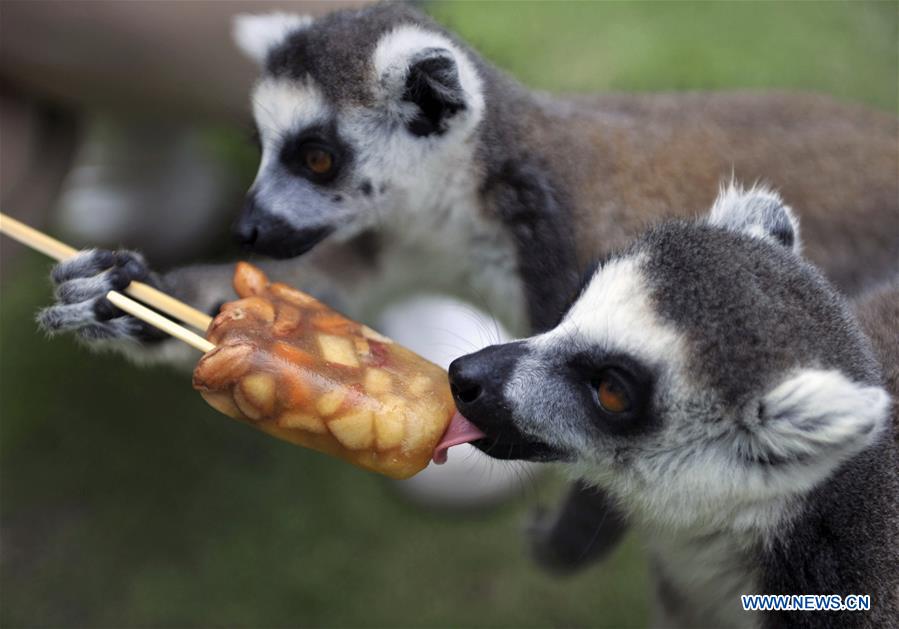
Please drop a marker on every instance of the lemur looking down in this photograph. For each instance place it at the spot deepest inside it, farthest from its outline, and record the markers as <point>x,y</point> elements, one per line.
<point>719,389</point>
<point>396,159</point>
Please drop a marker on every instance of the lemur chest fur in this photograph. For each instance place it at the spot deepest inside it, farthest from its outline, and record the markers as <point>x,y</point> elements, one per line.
<point>447,244</point>
<point>702,577</point>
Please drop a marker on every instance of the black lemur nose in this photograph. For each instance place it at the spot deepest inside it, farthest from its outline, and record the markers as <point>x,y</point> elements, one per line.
<point>246,234</point>
<point>465,381</point>
<point>478,380</point>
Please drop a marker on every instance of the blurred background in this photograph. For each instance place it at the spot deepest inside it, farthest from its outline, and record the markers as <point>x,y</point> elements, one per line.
<point>124,499</point>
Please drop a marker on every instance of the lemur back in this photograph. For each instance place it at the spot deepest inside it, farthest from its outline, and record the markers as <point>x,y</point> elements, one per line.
<point>878,313</point>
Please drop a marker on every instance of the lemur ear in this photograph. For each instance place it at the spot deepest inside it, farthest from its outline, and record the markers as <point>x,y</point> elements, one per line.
<point>757,212</point>
<point>815,419</point>
<point>256,35</point>
<point>425,80</point>
<point>432,84</point>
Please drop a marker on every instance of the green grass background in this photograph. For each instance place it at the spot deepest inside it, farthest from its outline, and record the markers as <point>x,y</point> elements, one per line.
<point>125,501</point>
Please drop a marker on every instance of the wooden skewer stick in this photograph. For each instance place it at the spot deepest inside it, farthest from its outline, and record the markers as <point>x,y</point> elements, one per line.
<point>158,321</point>
<point>147,294</point>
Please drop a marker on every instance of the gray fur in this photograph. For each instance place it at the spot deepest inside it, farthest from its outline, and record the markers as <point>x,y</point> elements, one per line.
<point>748,304</point>
<point>82,283</point>
<point>65,318</point>
<point>878,313</point>
<point>766,215</point>
<point>87,263</point>
<point>324,53</point>
<point>765,459</point>
<point>80,289</point>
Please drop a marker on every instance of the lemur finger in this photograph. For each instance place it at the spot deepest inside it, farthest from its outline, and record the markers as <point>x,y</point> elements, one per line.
<point>84,288</point>
<point>121,328</point>
<point>84,302</point>
<point>128,266</point>
<point>86,264</point>
<point>98,332</point>
<point>62,318</point>
<point>105,310</point>
<point>117,324</point>
<point>133,264</point>
<point>81,317</point>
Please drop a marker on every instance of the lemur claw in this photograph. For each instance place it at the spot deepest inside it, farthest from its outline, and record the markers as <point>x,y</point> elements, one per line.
<point>81,305</point>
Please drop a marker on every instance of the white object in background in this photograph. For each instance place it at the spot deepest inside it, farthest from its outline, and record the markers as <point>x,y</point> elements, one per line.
<point>151,185</point>
<point>441,329</point>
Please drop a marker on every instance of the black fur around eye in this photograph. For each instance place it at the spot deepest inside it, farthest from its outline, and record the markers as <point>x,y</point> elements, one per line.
<point>618,388</point>
<point>314,159</point>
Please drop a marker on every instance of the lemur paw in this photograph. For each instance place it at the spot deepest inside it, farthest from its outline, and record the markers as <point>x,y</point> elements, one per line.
<point>81,305</point>
<point>545,549</point>
<point>561,544</point>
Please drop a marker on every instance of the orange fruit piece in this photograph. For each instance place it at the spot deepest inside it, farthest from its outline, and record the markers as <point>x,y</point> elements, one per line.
<point>292,354</point>
<point>332,323</point>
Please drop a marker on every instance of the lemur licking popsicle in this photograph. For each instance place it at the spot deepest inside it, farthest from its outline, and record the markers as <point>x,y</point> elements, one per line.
<point>718,388</point>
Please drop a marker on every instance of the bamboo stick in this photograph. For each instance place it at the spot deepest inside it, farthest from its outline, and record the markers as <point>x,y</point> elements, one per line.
<point>147,294</point>
<point>158,321</point>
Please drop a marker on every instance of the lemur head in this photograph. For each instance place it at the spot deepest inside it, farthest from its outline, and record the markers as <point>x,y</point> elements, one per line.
<point>360,114</point>
<point>707,371</point>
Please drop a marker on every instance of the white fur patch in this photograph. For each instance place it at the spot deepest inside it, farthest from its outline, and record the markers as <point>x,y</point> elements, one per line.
<point>616,314</point>
<point>257,34</point>
<point>280,106</point>
<point>754,212</point>
<point>820,418</point>
<point>710,572</point>
<point>391,63</point>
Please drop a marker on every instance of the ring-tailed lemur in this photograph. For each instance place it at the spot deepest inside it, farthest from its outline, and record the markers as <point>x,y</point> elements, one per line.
<point>719,389</point>
<point>406,162</point>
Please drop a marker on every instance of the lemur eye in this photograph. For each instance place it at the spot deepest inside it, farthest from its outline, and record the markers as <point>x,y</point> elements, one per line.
<point>612,393</point>
<point>318,160</point>
<point>311,157</point>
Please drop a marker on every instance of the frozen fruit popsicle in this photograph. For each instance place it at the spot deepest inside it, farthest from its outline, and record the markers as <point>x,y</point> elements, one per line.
<point>289,365</point>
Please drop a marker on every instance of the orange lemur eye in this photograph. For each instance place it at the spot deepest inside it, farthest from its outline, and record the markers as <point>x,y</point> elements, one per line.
<point>318,160</point>
<point>613,397</point>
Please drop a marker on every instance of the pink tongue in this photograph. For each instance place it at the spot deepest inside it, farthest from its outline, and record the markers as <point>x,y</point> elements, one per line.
<point>459,431</point>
